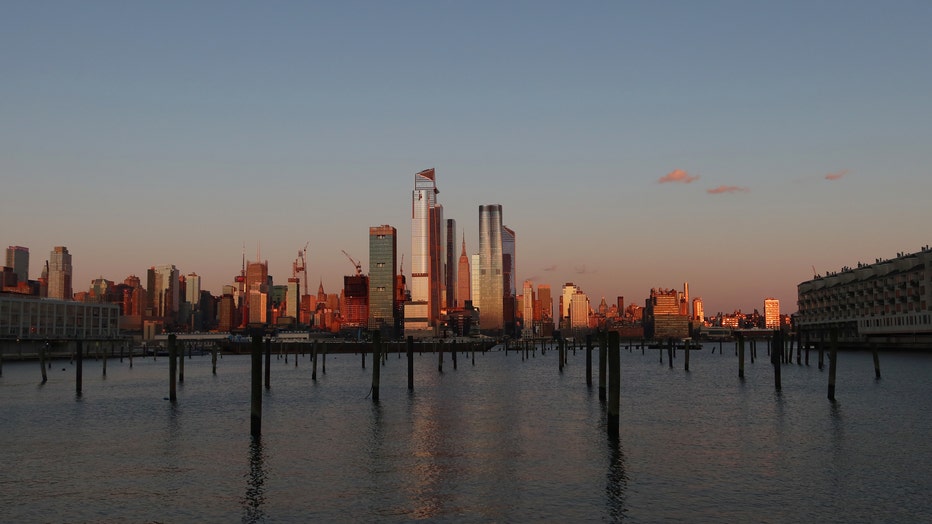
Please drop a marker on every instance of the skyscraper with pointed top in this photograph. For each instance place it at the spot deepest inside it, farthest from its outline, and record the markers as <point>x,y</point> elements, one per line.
<point>491,270</point>
<point>463,284</point>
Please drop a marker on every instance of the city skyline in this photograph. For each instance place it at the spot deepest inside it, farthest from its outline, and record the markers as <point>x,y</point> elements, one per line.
<point>738,148</point>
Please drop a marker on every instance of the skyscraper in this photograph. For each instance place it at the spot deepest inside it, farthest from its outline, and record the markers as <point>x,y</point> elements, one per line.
<point>383,253</point>
<point>546,303</point>
<point>449,270</point>
<point>463,286</point>
<point>491,269</point>
<point>17,257</point>
<point>474,281</point>
<point>509,279</point>
<point>528,309</point>
<point>423,311</point>
<point>164,294</point>
<point>192,290</point>
<point>771,313</point>
<point>257,291</point>
<point>60,274</point>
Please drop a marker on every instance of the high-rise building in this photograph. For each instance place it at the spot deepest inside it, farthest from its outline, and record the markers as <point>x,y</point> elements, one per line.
<point>423,311</point>
<point>355,308</point>
<point>293,299</point>
<point>474,281</point>
<point>192,290</point>
<point>771,313</point>
<point>491,270</point>
<point>509,277</point>
<point>164,294</point>
<point>383,292</point>
<point>569,289</point>
<point>698,312</point>
<point>258,284</point>
<point>450,266</point>
<point>527,312</point>
<point>546,302</point>
<point>579,310</point>
<point>463,286</point>
<point>60,274</point>
<point>17,257</point>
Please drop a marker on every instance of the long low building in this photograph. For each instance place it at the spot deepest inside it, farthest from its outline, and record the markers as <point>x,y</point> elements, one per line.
<point>32,318</point>
<point>885,303</point>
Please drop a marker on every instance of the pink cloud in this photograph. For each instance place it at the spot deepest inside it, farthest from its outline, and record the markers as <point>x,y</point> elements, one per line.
<point>727,189</point>
<point>678,175</point>
<point>836,175</point>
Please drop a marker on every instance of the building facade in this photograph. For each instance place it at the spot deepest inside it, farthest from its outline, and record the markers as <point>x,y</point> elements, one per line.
<point>60,272</point>
<point>884,303</point>
<point>771,313</point>
<point>423,310</point>
<point>17,258</point>
<point>383,253</point>
<point>463,281</point>
<point>491,270</point>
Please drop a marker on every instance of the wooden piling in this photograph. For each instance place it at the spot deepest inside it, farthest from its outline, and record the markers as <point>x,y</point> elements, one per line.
<point>686,356</point>
<point>131,357</point>
<point>776,356</point>
<point>821,346</point>
<point>213,359</point>
<point>104,363</point>
<point>362,352</point>
<point>614,384</point>
<point>439,349</point>
<point>42,350</point>
<point>833,362</point>
<point>603,358</point>
<point>323,361</point>
<point>799,350</point>
<point>740,345</point>
<point>268,363</point>
<point>753,350</point>
<point>376,368</point>
<point>876,363</point>
<point>255,411</point>
<point>807,349</point>
<point>670,351</point>
<point>561,352</point>
<point>410,363</point>
<point>315,349</point>
<point>589,361</point>
<point>172,369</point>
<point>453,354</point>
<point>79,367</point>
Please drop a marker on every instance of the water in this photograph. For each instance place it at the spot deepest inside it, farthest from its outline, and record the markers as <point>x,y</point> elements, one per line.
<point>505,440</point>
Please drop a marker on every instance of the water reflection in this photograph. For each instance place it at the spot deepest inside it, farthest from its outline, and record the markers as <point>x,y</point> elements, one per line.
<point>616,481</point>
<point>255,484</point>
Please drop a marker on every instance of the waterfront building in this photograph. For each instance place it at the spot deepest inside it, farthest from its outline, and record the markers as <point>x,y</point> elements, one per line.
<point>491,270</point>
<point>60,271</point>
<point>17,258</point>
<point>463,284</point>
<point>885,303</point>
<point>383,292</point>
<point>422,312</point>
<point>771,313</point>
<point>25,318</point>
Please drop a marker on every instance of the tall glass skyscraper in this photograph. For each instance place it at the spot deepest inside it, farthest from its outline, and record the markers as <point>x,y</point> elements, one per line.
<point>449,270</point>
<point>491,277</point>
<point>423,312</point>
<point>17,257</point>
<point>383,251</point>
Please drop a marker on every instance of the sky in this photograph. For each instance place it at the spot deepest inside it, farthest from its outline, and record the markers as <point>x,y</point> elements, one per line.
<point>739,146</point>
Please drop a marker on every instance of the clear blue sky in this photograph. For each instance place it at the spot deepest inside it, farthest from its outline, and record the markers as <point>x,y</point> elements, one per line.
<point>146,133</point>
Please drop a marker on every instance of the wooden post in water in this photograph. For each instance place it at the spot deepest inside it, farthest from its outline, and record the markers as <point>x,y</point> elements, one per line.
<point>79,367</point>
<point>670,351</point>
<point>876,361</point>
<point>686,355</point>
<point>323,362</point>
<point>799,350</point>
<point>45,377</point>
<point>376,368</point>
<point>720,345</point>
<point>131,357</point>
<point>603,357</point>
<point>561,352</point>
<point>255,405</point>
<point>740,345</point>
<point>821,355</point>
<point>268,363</point>
<point>315,349</point>
<point>453,354</point>
<point>753,350</point>
<point>472,346</point>
<point>172,369</point>
<point>213,359</point>
<point>362,352</point>
<point>410,363</point>
<point>807,348</point>
<point>614,384</point>
<point>833,362</point>
<point>775,358</point>
<point>104,363</point>
<point>589,361</point>
<point>439,349</point>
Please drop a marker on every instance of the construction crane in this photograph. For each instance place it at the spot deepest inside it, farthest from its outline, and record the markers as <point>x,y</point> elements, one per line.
<point>355,263</point>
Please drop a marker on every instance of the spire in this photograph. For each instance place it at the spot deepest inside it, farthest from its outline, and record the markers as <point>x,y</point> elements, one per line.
<point>463,254</point>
